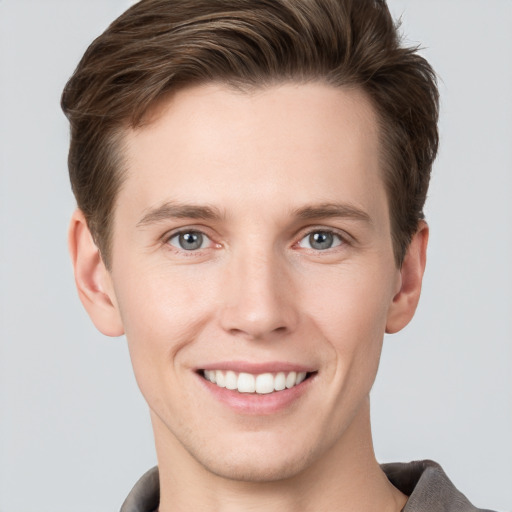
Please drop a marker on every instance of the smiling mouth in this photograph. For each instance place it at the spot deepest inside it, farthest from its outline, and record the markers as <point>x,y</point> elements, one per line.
<point>263,383</point>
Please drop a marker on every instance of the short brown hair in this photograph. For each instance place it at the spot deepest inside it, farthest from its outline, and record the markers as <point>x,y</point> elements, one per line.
<point>158,46</point>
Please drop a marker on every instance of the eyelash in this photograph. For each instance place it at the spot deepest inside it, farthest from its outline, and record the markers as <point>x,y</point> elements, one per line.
<point>177,234</point>
<point>342,240</point>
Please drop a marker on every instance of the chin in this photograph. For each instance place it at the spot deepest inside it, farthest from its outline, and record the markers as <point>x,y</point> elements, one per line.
<point>257,471</point>
<point>259,463</point>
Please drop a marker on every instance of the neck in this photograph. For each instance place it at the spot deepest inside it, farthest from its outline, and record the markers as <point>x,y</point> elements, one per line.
<point>346,478</point>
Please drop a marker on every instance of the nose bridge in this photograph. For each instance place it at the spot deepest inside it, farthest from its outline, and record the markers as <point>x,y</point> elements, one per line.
<point>258,298</point>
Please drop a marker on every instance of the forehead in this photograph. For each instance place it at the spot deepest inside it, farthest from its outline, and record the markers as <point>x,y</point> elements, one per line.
<point>299,143</point>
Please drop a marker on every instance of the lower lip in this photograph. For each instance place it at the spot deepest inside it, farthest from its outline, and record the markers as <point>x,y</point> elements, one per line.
<point>258,404</point>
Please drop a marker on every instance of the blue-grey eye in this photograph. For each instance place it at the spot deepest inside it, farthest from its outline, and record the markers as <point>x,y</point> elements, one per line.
<point>189,240</point>
<point>321,240</point>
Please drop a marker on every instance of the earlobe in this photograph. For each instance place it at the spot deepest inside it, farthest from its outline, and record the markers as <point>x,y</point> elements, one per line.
<point>92,279</point>
<point>406,300</point>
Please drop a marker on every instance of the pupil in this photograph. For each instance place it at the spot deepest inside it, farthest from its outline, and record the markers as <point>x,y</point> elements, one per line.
<point>191,241</point>
<point>321,240</point>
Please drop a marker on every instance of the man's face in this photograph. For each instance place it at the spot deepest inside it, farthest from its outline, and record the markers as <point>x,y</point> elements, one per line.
<point>252,244</point>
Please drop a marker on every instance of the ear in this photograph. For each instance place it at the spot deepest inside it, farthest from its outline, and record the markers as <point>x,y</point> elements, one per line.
<point>405,301</point>
<point>92,279</point>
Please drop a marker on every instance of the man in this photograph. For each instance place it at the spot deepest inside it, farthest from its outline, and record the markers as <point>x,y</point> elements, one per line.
<point>250,179</point>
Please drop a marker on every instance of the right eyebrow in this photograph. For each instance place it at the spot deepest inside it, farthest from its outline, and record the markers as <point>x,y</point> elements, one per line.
<point>174,210</point>
<point>332,210</point>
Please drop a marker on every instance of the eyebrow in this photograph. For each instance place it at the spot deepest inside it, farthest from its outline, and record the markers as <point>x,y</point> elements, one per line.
<point>173,210</point>
<point>332,210</point>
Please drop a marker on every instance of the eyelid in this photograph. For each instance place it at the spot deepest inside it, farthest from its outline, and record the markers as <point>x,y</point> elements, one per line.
<point>169,235</point>
<point>344,237</point>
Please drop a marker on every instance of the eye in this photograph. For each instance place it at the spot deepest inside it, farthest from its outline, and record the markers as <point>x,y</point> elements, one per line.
<point>321,240</point>
<point>189,240</point>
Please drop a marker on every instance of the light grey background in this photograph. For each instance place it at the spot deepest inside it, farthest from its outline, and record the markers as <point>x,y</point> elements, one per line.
<point>74,431</point>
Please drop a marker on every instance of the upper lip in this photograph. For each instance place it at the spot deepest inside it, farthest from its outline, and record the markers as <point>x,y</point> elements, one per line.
<point>257,368</point>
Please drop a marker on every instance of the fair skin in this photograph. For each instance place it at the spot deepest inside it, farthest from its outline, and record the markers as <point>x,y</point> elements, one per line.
<point>252,236</point>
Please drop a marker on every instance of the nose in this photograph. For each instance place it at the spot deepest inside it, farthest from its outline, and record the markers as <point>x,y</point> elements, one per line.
<point>258,297</point>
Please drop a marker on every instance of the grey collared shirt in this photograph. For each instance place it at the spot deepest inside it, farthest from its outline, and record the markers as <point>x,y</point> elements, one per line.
<point>426,484</point>
<point>428,487</point>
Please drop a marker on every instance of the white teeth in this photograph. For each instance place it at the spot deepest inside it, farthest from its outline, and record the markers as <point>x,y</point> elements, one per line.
<point>263,383</point>
<point>220,379</point>
<point>210,375</point>
<point>291,379</point>
<point>280,381</point>
<point>246,383</point>
<point>300,377</point>
<point>231,380</point>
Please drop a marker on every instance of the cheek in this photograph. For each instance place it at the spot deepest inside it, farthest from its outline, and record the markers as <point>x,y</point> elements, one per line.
<point>158,300</point>
<point>350,311</point>
<point>350,300</point>
<point>162,312</point>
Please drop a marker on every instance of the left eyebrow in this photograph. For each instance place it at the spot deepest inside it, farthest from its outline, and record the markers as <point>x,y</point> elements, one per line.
<point>173,210</point>
<point>332,210</point>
